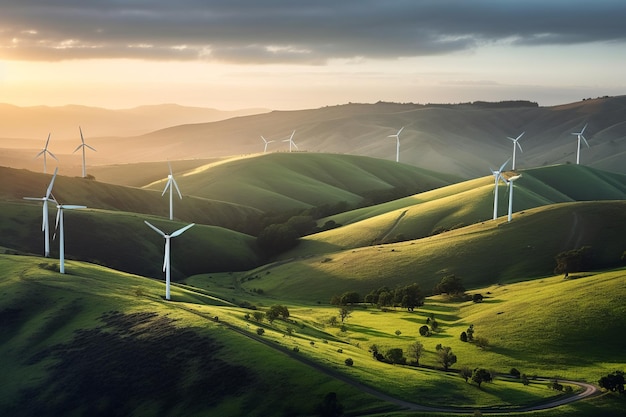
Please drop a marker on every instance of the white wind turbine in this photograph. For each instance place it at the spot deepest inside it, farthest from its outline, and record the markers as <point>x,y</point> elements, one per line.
<point>397,136</point>
<point>45,151</point>
<point>59,226</point>
<point>516,145</point>
<point>267,142</point>
<point>166,258</point>
<point>171,184</point>
<point>510,182</point>
<point>83,145</point>
<point>291,142</point>
<point>497,176</point>
<point>580,136</point>
<point>45,226</point>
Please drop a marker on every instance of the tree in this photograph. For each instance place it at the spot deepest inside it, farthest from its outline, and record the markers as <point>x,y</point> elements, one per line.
<point>463,337</point>
<point>477,298</point>
<point>515,373</point>
<point>395,355</point>
<point>258,316</point>
<point>398,332</point>
<point>613,382</point>
<point>525,380</point>
<point>332,321</point>
<point>344,313</point>
<point>481,375</point>
<point>260,331</point>
<point>277,238</point>
<point>574,260</point>
<point>350,297</point>
<point>330,407</point>
<point>450,284</point>
<point>424,331</point>
<point>415,352</point>
<point>470,333</point>
<point>409,297</point>
<point>465,372</point>
<point>276,311</point>
<point>445,357</point>
<point>349,362</point>
<point>434,325</point>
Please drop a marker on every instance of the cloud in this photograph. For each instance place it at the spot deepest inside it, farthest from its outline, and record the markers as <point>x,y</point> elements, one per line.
<point>287,31</point>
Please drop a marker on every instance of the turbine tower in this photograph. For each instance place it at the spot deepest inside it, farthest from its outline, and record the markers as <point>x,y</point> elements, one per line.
<point>291,142</point>
<point>516,145</point>
<point>59,226</point>
<point>580,136</point>
<point>44,226</point>
<point>45,151</point>
<point>497,176</point>
<point>397,136</point>
<point>510,182</point>
<point>171,184</point>
<point>83,145</point>
<point>166,258</point>
<point>266,142</point>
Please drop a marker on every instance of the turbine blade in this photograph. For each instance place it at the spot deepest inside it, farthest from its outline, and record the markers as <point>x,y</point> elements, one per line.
<point>78,147</point>
<point>51,154</point>
<point>34,198</point>
<point>294,144</point>
<point>47,141</point>
<point>169,165</point>
<point>169,183</point>
<point>519,146</point>
<point>166,252</point>
<point>73,207</point>
<point>40,153</point>
<point>154,228</point>
<point>181,231</point>
<point>91,147</point>
<point>401,129</point>
<point>81,134</point>
<point>49,190</point>
<point>584,127</point>
<point>56,224</point>
<point>503,165</point>
<point>177,189</point>
<point>584,140</point>
<point>521,134</point>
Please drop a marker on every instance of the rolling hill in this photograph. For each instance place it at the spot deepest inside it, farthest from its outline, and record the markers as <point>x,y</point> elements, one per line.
<point>461,139</point>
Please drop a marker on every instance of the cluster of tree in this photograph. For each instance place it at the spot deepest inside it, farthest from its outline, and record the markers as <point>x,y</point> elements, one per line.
<point>347,298</point>
<point>574,260</point>
<point>468,336</point>
<point>408,297</point>
<point>445,356</point>
<point>613,382</point>
<point>277,311</point>
<point>450,285</point>
<point>477,376</point>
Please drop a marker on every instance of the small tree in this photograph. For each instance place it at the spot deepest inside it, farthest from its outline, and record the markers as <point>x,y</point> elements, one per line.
<point>395,356</point>
<point>260,331</point>
<point>424,331</point>
<point>463,337</point>
<point>481,375</point>
<point>258,316</point>
<point>445,357</point>
<point>415,352</point>
<point>349,362</point>
<point>344,313</point>
<point>332,321</point>
<point>613,382</point>
<point>465,372</point>
<point>573,260</point>
<point>349,298</point>
<point>434,325</point>
<point>525,380</point>
<point>451,285</point>
<point>398,332</point>
<point>477,298</point>
<point>515,373</point>
<point>470,333</point>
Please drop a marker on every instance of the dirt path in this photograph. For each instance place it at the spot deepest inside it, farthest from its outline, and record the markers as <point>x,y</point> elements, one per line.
<point>587,389</point>
<point>393,227</point>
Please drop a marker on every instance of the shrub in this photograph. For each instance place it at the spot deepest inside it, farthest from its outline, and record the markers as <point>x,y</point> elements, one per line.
<point>349,362</point>
<point>398,332</point>
<point>424,331</point>
<point>525,379</point>
<point>340,350</point>
<point>613,382</point>
<point>477,298</point>
<point>463,337</point>
<point>260,331</point>
<point>395,356</point>
<point>514,373</point>
<point>296,349</point>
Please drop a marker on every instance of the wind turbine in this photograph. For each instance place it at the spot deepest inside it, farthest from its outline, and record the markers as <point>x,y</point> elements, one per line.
<point>580,136</point>
<point>511,180</point>
<point>497,176</point>
<point>397,136</point>
<point>267,142</point>
<point>166,258</point>
<point>83,145</point>
<point>45,151</point>
<point>516,145</point>
<point>291,142</point>
<point>171,184</point>
<point>59,225</point>
<point>44,226</point>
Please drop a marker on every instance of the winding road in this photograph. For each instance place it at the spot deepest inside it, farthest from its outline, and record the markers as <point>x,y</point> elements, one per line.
<point>587,390</point>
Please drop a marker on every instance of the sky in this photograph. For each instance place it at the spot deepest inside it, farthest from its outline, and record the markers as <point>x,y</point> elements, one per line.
<point>296,54</point>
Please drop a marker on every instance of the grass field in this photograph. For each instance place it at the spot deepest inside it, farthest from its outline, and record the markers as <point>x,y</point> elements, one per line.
<point>127,314</point>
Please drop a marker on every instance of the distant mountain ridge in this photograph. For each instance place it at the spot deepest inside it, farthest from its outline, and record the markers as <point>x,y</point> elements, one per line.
<point>62,122</point>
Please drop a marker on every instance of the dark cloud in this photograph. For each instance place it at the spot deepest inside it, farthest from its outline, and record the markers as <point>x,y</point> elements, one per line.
<point>257,31</point>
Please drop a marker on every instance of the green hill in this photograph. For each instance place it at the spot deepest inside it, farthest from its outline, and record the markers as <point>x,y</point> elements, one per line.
<point>285,181</point>
<point>481,254</point>
<point>122,241</point>
<point>459,205</point>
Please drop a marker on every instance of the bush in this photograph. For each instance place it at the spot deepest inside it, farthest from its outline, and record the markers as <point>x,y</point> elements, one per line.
<point>613,382</point>
<point>395,356</point>
<point>424,331</point>
<point>349,362</point>
<point>463,337</point>
<point>477,298</point>
<point>515,373</point>
<point>260,331</point>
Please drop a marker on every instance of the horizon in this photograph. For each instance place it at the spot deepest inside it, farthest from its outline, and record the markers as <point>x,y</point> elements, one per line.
<point>290,57</point>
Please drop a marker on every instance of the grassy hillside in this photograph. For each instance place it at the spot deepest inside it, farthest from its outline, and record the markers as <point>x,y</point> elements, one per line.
<point>121,240</point>
<point>17,184</point>
<point>482,254</point>
<point>92,342</point>
<point>283,181</point>
<point>460,205</point>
